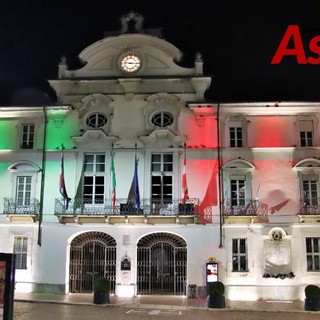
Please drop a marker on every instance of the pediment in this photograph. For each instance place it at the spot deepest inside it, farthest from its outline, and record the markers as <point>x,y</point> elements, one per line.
<point>101,59</point>
<point>94,139</point>
<point>24,166</point>
<point>105,64</point>
<point>308,163</point>
<point>163,138</point>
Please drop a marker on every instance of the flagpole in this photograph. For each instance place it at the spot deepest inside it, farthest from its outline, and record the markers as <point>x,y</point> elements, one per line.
<point>43,171</point>
<point>62,173</point>
<point>184,184</point>
<point>62,185</point>
<point>136,181</point>
<point>113,181</point>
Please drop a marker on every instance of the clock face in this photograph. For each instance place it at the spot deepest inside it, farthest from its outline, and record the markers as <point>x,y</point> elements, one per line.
<point>130,63</point>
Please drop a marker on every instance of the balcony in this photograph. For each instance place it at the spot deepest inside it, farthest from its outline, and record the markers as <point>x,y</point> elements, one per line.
<point>244,211</point>
<point>25,210</point>
<point>309,210</point>
<point>150,212</point>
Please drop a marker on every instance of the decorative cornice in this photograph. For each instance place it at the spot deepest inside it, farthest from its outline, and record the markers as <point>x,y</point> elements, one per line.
<point>94,139</point>
<point>163,138</point>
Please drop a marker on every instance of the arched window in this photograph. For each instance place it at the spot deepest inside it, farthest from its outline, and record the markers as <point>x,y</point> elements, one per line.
<point>237,181</point>
<point>24,178</point>
<point>308,172</point>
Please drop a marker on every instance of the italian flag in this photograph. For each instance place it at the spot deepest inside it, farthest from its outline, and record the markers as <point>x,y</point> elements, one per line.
<point>113,184</point>
<point>184,181</point>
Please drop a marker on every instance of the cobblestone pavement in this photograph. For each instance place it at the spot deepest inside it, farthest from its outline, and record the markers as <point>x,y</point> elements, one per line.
<point>177,301</point>
<point>79,306</point>
<point>66,311</point>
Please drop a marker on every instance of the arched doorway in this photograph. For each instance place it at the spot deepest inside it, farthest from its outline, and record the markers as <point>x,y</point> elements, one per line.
<point>92,255</point>
<point>161,264</point>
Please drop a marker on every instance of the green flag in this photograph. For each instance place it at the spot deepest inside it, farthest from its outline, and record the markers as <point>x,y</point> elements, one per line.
<point>113,183</point>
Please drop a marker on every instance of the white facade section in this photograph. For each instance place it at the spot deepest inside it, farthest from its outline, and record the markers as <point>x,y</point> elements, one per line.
<point>252,174</point>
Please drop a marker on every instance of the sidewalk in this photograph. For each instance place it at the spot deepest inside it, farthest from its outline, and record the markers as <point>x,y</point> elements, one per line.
<point>163,302</point>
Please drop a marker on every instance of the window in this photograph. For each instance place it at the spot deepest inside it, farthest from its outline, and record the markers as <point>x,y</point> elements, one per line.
<point>235,131</point>
<point>24,179</point>
<point>162,119</point>
<point>237,186</point>
<point>239,255</point>
<point>313,254</point>
<point>20,249</point>
<point>23,195</point>
<point>306,130</point>
<point>27,136</point>
<point>94,178</point>
<point>310,193</point>
<point>306,133</point>
<point>161,178</point>
<point>235,134</point>
<point>96,120</point>
<point>308,172</point>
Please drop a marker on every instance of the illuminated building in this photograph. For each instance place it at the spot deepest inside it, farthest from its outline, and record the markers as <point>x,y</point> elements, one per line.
<point>250,200</point>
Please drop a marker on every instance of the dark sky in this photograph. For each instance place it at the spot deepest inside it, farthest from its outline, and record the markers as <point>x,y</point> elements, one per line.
<point>237,39</point>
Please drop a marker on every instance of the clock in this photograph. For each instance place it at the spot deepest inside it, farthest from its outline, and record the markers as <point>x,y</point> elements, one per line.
<point>130,63</point>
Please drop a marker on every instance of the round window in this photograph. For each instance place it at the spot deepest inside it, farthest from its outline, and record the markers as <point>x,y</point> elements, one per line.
<point>162,119</point>
<point>96,120</point>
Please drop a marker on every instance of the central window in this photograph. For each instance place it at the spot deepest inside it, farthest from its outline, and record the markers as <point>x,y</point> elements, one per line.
<point>161,178</point>
<point>94,179</point>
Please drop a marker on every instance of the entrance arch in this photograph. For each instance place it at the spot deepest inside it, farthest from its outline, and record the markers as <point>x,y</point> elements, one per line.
<point>161,264</point>
<point>92,255</point>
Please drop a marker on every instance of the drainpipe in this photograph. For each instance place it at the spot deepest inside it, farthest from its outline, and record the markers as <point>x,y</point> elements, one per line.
<point>44,143</point>
<point>220,184</point>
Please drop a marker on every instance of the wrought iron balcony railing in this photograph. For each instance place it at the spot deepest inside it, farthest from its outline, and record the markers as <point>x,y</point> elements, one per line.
<point>309,206</point>
<point>244,207</point>
<point>21,206</point>
<point>124,207</point>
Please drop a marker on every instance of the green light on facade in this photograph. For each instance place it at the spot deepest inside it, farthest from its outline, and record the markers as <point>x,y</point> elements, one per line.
<point>7,134</point>
<point>61,133</point>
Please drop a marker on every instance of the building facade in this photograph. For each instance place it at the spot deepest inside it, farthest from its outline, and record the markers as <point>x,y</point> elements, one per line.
<point>132,175</point>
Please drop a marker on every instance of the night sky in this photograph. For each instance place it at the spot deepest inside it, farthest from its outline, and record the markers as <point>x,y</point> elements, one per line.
<point>237,40</point>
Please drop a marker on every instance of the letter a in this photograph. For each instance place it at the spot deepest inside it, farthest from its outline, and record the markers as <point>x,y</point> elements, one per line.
<point>283,50</point>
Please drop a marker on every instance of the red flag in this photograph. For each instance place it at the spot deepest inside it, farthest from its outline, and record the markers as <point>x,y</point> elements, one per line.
<point>184,181</point>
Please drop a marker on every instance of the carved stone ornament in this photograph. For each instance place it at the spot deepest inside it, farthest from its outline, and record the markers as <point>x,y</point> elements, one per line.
<point>277,234</point>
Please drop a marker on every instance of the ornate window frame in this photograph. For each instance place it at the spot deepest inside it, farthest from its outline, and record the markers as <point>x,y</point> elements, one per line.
<point>237,167</point>
<point>24,168</point>
<point>162,103</point>
<point>307,168</point>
